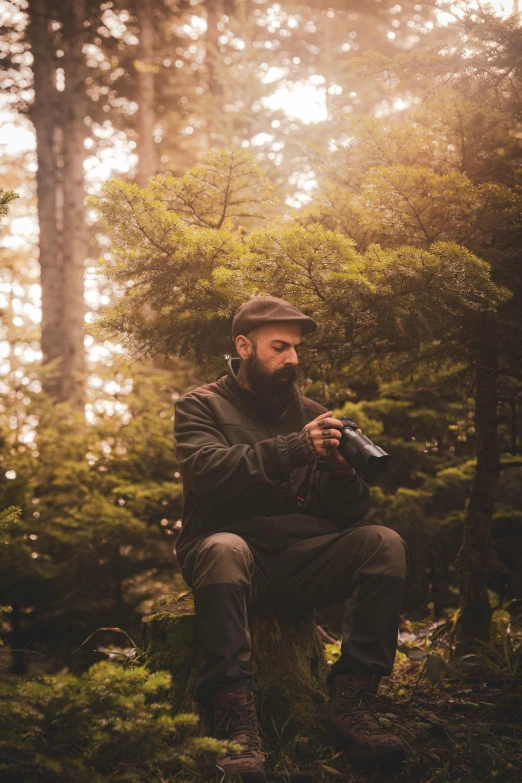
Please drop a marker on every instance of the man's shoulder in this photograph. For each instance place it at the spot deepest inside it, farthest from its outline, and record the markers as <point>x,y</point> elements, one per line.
<point>205,391</point>
<point>311,406</point>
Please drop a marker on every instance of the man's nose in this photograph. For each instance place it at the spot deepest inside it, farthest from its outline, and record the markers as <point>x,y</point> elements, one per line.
<point>292,357</point>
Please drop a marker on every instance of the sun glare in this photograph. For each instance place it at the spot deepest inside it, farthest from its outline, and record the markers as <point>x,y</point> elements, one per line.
<point>449,11</point>
<point>302,101</point>
<point>502,8</point>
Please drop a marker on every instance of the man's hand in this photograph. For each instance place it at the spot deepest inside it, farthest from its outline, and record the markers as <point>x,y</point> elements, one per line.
<point>338,461</point>
<point>321,437</point>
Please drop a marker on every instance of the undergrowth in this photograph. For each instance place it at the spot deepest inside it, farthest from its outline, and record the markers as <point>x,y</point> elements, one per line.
<point>461,719</point>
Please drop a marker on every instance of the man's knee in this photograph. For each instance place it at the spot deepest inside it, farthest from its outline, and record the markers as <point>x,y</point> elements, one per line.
<point>382,551</point>
<point>223,558</point>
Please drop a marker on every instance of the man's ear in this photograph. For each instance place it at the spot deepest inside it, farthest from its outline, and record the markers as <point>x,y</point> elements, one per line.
<point>243,346</point>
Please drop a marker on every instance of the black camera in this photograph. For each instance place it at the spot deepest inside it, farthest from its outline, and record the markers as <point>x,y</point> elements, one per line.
<point>360,451</point>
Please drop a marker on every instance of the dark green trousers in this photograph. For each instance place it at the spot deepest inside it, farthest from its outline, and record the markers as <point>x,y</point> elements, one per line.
<point>229,573</point>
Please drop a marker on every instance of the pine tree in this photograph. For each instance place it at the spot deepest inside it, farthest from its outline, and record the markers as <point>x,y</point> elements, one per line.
<point>467,192</point>
<point>183,247</point>
<point>6,196</point>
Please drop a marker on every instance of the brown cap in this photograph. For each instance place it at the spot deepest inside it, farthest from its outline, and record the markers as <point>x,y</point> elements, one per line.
<point>268,309</point>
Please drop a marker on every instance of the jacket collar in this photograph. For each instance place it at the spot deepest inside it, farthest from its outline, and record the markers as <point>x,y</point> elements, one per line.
<point>247,395</point>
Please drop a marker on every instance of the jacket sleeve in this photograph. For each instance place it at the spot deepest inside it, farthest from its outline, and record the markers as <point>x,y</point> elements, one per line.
<point>211,468</point>
<point>344,499</point>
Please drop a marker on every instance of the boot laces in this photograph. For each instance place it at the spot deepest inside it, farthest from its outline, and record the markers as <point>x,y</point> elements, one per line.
<point>239,720</point>
<point>360,709</point>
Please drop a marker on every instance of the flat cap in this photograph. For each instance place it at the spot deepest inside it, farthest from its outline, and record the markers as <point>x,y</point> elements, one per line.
<point>268,309</point>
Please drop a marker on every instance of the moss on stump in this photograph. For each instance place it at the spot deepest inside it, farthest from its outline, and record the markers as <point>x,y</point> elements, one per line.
<point>287,658</point>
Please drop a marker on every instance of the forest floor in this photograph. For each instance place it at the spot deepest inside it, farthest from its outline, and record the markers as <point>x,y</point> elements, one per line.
<point>463,731</point>
<point>464,728</point>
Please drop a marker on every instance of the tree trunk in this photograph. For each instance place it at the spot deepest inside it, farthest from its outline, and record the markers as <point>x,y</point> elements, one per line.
<point>287,658</point>
<point>74,233</point>
<point>475,611</point>
<point>59,128</point>
<point>146,97</point>
<point>214,13</point>
<point>145,69</point>
<point>43,116</point>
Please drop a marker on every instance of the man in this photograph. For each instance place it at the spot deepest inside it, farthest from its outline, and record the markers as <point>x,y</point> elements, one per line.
<point>270,512</point>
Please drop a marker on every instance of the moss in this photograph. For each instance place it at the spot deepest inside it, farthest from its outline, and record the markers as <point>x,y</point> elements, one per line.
<point>170,643</point>
<point>287,658</point>
<point>291,671</point>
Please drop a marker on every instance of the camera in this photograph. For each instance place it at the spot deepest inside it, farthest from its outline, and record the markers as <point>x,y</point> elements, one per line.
<point>365,456</point>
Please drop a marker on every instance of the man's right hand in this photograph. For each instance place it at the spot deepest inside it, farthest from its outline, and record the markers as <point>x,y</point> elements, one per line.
<point>321,436</point>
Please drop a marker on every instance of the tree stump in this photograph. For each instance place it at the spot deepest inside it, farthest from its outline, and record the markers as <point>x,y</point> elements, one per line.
<point>287,658</point>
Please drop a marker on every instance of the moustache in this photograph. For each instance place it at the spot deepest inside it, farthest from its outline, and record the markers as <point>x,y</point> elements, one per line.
<point>287,373</point>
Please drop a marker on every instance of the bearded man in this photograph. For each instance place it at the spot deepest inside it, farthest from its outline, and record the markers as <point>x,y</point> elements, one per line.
<point>250,534</point>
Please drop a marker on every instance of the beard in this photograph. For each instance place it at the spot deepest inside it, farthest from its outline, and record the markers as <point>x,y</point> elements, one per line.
<point>275,390</point>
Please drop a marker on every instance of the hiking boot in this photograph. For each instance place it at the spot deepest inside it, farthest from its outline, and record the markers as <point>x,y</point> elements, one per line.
<point>234,718</point>
<point>351,718</point>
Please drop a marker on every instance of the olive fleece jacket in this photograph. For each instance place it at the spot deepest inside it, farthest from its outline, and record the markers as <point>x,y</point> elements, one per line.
<point>240,471</point>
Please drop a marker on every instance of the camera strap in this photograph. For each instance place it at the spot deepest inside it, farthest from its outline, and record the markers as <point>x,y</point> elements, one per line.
<point>304,486</point>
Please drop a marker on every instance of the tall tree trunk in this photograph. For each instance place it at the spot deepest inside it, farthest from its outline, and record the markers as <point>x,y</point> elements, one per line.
<point>146,96</point>
<point>475,611</point>
<point>43,116</point>
<point>146,111</point>
<point>74,232</point>
<point>59,126</point>
<point>214,13</point>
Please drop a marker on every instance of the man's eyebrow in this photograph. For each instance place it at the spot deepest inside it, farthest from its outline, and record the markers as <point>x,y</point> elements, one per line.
<point>285,343</point>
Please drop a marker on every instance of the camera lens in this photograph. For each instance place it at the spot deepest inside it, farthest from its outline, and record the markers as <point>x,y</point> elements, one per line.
<point>365,456</point>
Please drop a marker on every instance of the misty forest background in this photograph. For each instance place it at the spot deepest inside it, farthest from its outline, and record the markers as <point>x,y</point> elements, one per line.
<point>161,162</point>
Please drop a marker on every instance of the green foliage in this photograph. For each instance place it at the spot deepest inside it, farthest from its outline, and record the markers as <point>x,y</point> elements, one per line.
<point>228,186</point>
<point>99,504</point>
<point>416,205</point>
<point>171,238</point>
<point>175,271</point>
<point>9,517</point>
<point>6,196</point>
<point>108,723</point>
<point>421,305</point>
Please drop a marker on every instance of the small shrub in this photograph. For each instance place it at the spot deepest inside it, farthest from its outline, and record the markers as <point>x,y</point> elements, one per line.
<point>109,723</point>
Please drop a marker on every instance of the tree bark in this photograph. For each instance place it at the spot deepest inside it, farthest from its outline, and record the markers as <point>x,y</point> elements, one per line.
<point>287,659</point>
<point>59,126</point>
<point>43,116</point>
<point>475,610</point>
<point>214,10</point>
<point>74,233</point>
<point>146,95</point>
<point>214,13</point>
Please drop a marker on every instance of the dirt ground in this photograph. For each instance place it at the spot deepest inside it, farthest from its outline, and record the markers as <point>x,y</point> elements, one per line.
<point>463,727</point>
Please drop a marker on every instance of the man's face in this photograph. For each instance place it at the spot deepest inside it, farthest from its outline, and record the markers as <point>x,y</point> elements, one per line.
<point>270,363</point>
<point>276,347</point>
